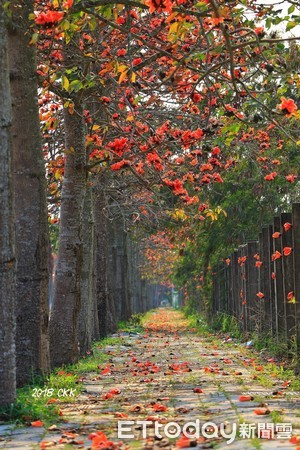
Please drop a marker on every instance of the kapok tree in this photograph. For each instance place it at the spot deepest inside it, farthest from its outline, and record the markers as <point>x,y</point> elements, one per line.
<point>7,233</point>
<point>180,80</point>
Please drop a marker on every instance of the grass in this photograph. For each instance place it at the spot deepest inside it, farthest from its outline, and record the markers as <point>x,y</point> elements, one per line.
<point>135,323</point>
<point>277,416</point>
<point>256,443</point>
<point>198,322</point>
<point>43,397</point>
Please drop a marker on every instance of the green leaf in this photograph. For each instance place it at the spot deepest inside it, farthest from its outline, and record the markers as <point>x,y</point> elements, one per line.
<point>107,12</point>
<point>65,25</point>
<point>268,23</point>
<point>290,25</point>
<point>291,9</point>
<point>75,86</point>
<point>65,83</point>
<point>34,38</point>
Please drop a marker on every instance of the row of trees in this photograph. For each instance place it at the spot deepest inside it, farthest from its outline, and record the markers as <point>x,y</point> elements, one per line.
<point>146,109</point>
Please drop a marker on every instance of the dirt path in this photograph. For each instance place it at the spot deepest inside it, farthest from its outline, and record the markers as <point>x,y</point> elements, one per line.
<point>169,374</point>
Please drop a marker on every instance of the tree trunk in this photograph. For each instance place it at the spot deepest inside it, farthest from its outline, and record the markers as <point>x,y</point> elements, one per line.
<point>87,328</point>
<point>7,236</point>
<point>32,238</point>
<point>105,302</point>
<point>64,348</point>
<point>118,270</point>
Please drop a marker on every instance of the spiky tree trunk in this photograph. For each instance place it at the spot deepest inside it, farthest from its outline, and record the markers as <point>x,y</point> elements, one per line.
<point>32,237</point>
<point>64,348</point>
<point>7,237</point>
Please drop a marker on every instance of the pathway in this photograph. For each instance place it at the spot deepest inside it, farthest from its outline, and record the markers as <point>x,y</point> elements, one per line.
<point>169,374</point>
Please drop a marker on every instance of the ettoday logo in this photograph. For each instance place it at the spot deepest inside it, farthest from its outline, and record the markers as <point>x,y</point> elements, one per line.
<point>192,430</point>
<point>209,430</point>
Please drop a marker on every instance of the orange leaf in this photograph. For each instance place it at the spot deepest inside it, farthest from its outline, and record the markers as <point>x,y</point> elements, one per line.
<point>123,76</point>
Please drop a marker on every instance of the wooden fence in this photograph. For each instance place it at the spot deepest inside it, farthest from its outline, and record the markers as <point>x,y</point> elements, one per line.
<point>259,283</point>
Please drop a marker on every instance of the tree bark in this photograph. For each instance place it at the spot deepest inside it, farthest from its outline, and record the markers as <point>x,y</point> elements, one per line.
<point>64,348</point>
<point>7,236</point>
<point>118,269</point>
<point>32,237</point>
<point>105,301</point>
<point>88,326</point>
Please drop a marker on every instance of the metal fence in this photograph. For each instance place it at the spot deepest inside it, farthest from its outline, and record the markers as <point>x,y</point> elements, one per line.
<point>259,283</point>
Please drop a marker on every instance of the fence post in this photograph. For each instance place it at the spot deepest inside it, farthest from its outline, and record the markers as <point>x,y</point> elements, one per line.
<point>240,286</point>
<point>243,301</point>
<point>271,284</point>
<point>235,277</point>
<point>252,277</point>
<point>288,277</point>
<point>227,287</point>
<point>214,289</point>
<point>266,279</point>
<point>278,284</point>
<point>231,309</point>
<point>296,255</point>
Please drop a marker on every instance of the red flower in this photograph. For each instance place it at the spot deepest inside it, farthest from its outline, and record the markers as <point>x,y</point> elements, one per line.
<point>159,5</point>
<point>100,441</point>
<point>183,442</point>
<point>287,251</point>
<point>291,178</point>
<point>260,295</point>
<point>287,106</point>
<point>137,61</point>
<point>197,390</point>
<point>287,226</point>
<point>196,97</point>
<point>121,52</point>
<point>259,31</point>
<point>159,408</point>
<point>49,17</point>
<point>37,423</point>
<point>276,235</point>
<point>270,176</point>
<point>105,99</point>
<point>276,255</point>
<point>245,398</point>
<point>119,165</point>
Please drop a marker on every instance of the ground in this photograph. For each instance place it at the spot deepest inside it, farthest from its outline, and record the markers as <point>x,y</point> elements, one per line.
<point>169,373</point>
